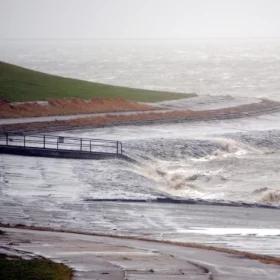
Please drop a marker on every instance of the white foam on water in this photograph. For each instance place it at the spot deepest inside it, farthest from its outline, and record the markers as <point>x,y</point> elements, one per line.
<point>260,232</point>
<point>229,160</point>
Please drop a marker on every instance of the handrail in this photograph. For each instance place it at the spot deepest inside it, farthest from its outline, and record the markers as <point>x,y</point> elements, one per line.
<point>55,136</point>
<point>45,141</point>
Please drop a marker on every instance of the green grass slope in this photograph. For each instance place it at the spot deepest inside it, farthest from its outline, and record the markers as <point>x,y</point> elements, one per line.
<point>14,268</point>
<point>21,84</point>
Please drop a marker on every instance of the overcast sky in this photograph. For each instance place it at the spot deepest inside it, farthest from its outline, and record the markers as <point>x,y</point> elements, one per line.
<point>139,18</point>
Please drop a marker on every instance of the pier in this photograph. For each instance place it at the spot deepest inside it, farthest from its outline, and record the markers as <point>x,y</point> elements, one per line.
<point>60,146</point>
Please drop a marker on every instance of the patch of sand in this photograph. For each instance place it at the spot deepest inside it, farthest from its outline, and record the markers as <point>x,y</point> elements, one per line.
<point>254,109</point>
<point>68,107</point>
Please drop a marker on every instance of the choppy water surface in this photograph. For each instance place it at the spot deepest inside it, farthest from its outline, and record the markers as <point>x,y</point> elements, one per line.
<point>235,160</point>
<point>230,161</point>
<point>221,67</point>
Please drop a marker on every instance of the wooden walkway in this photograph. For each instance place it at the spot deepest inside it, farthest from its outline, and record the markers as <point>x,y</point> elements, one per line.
<point>60,146</point>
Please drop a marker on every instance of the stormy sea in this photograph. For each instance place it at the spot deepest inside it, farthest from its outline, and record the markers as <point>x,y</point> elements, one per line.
<point>214,182</point>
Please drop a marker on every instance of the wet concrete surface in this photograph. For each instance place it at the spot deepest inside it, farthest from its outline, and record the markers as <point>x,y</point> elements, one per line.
<point>108,258</point>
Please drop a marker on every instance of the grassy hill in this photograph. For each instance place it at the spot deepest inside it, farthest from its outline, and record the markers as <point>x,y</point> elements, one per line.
<point>21,84</point>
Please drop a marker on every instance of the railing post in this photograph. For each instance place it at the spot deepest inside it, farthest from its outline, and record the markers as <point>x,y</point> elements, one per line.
<point>44,142</point>
<point>90,145</point>
<point>117,147</point>
<point>24,141</point>
<point>7,139</point>
<point>57,143</point>
<point>81,144</point>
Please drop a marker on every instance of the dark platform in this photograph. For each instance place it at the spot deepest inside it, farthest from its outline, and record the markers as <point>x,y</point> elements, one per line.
<point>39,152</point>
<point>60,147</point>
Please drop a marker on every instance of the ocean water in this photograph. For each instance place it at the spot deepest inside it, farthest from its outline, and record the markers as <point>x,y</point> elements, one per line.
<point>248,68</point>
<point>231,161</point>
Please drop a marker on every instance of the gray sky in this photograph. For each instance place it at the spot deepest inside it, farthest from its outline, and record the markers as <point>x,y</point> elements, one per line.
<point>139,18</point>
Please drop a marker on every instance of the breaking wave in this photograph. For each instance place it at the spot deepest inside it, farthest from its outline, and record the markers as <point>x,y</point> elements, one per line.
<point>214,169</point>
<point>178,149</point>
<point>268,196</point>
<point>259,140</point>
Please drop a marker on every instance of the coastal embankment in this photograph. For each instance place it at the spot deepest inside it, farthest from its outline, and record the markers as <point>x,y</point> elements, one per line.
<point>147,117</point>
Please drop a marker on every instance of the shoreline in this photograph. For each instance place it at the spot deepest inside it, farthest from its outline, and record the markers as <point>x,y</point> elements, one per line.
<point>170,200</point>
<point>144,118</point>
<point>249,110</point>
<point>97,252</point>
<point>262,258</point>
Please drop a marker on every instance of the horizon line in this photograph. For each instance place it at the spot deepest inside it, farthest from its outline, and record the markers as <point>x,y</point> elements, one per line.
<point>136,39</point>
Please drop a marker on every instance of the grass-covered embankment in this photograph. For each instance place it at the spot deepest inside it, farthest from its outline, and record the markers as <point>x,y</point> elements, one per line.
<point>14,268</point>
<point>21,84</point>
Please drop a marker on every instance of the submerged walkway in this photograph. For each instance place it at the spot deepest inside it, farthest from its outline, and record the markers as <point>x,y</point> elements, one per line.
<point>60,146</point>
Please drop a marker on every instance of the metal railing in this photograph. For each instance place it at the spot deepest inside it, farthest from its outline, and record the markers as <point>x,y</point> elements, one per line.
<point>61,143</point>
